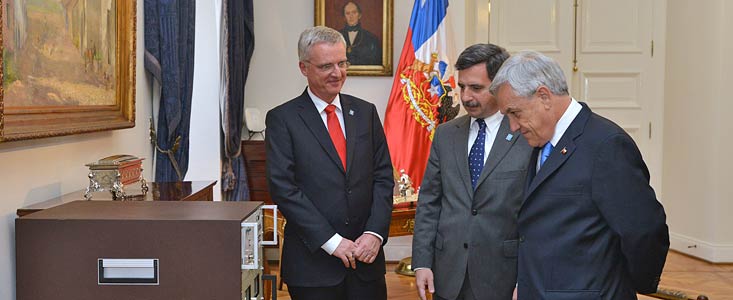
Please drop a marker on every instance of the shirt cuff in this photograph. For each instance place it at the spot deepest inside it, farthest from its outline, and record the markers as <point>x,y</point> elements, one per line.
<point>381,240</point>
<point>416,269</point>
<point>332,243</point>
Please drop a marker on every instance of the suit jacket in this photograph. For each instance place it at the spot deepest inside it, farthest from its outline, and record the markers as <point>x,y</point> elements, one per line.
<point>590,226</point>
<point>317,197</point>
<point>365,49</point>
<point>460,231</point>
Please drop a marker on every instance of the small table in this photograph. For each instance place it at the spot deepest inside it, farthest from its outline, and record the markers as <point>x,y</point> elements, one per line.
<point>403,221</point>
<point>161,191</point>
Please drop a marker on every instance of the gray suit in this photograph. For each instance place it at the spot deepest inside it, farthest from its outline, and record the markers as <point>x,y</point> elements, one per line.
<point>460,231</point>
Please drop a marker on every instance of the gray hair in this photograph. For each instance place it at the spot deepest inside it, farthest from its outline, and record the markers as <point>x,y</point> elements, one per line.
<point>316,35</point>
<point>526,71</point>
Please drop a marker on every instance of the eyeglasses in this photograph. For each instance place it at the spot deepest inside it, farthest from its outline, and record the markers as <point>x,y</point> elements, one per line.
<point>329,67</point>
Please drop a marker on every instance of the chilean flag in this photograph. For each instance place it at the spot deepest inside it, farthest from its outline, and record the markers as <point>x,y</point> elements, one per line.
<point>423,89</point>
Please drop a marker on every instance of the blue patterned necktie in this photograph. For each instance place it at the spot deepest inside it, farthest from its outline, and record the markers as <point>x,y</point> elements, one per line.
<point>545,153</point>
<point>476,156</point>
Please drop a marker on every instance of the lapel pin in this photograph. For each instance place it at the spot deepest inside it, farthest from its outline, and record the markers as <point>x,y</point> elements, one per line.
<point>351,112</point>
<point>509,137</point>
<point>564,151</point>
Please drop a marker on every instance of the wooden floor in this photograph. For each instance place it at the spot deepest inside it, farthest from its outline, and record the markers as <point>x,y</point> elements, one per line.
<point>681,272</point>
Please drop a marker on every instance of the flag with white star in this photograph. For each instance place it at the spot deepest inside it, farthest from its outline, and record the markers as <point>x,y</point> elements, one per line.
<point>423,90</point>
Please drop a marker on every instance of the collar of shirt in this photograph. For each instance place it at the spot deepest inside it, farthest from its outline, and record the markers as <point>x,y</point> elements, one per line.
<point>321,104</point>
<point>321,108</point>
<point>492,123</point>
<point>492,128</point>
<point>562,125</point>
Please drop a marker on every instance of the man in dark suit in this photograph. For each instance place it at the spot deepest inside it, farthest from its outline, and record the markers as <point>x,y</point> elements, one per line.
<point>362,46</point>
<point>590,226</point>
<point>330,174</point>
<point>465,239</point>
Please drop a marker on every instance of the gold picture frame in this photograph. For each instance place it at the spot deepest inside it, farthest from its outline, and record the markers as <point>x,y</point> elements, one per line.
<point>375,19</point>
<point>100,97</point>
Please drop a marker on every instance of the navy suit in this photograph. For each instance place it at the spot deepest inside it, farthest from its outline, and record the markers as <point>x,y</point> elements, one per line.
<point>590,226</point>
<point>317,197</point>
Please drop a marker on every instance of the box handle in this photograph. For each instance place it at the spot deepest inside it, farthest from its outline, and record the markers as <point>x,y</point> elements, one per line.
<point>127,271</point>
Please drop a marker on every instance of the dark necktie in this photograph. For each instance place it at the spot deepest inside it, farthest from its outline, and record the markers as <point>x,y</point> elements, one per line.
<point>546,150</point>
<point>337,135</point>
<point>476,156</point>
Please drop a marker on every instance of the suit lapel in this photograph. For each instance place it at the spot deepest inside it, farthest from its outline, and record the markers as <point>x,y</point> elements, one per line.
<point>557,158</point>
<point>499,149</point>
<point>553,162</point>
<point>349,114</point>
<point>460,146</point>
<point>358,38</point>
<point>308,113</point>
<point>532,168</point>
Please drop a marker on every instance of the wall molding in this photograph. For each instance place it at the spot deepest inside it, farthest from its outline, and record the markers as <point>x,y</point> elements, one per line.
<point>715,253</point>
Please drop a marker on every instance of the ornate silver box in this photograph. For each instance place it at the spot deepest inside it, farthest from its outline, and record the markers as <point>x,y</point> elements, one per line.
<point>113,173</point>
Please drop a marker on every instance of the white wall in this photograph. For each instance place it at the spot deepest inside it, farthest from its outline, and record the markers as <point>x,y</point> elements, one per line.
<point>698,138</point>
<point>204,161</point>
<point>37,170</point>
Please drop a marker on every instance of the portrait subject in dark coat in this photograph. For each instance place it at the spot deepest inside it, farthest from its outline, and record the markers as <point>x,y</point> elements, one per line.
<point>362,46</point>
<point>590,226</point>
<point>330,174</point>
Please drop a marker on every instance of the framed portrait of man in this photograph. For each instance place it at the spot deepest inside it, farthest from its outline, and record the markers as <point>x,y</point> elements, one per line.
<point>367,28</point>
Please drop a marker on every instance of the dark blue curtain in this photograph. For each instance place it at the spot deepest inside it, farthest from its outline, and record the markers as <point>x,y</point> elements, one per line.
<point>169,45</point>
<point>237,53</point>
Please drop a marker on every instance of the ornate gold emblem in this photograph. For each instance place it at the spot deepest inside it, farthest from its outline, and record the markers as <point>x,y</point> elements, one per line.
<point>409,225</point>
<point>417,92</point>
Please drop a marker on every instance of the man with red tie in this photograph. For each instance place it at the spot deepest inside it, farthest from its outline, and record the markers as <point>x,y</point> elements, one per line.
<point>330,174</point>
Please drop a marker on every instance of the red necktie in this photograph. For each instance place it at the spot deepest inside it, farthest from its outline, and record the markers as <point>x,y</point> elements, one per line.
<point>334,130</point>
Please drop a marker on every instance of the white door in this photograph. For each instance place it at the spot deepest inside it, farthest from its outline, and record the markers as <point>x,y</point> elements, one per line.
<point>615,72</point>
<point>541,25</point>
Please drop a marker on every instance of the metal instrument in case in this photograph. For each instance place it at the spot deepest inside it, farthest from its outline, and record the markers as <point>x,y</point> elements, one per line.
<point>141,250</point>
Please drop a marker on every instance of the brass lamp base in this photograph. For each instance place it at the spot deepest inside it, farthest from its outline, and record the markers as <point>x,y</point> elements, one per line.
<point>405,267</point>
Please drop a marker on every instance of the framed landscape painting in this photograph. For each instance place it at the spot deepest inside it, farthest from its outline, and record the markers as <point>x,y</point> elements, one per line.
<point>367,28</point>
<point>68,67</point>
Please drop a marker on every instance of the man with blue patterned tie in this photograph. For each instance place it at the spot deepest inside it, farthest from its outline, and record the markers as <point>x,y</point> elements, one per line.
<point>465,240</point>
<point>590,226</point>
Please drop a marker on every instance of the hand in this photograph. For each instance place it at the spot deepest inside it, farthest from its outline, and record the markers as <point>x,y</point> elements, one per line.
<point>367,248</point>
<point>345,251</point>
<point>514,296</point>
<point>424,277</point>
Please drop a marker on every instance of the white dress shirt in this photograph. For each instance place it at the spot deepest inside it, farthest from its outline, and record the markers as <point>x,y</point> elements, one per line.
<point>321,108</point>
<point>492,127</point>
<point>352,36</point>
<point>333,243</point>
<point>562,125</point>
